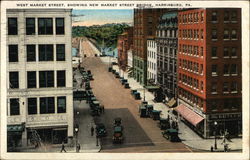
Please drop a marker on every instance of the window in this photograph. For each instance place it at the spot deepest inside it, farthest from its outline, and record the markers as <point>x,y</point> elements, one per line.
<point>234,34</point>
<point>61,78</point>
<point>226,16</point>
<point>214,105</point>
<point>46,53</point>
<point>31,53</point>
<point>214,51</point>
<point>227,104</point>
<point>234,52</point>
<point>14,79</point>
<point>31,77</point>
<point>46,79</point>
<point>202,16</point>
<point>202,86</point>
<point>233,69</point>
<point>14,106</point>
<point>234,16</point>
<point>201,51</point>
<point>226,34</point>
<point>202,34</point>
<point>226,69</point>
<point>61,104</point>
<point>234,87</point>
<point>13,53</point>
<point>214,70</point>
<point>60,52</point>
<point>30,26</point>
<point>12,26</point>
<point>225,87</point>
<point>214,34</point>
<point>32,106</point>
<point>47,105</point>
<point>214,87</point>
<point>45,26</point>
<point>214,16</point>
<point>59,25</point>
<point>226,52</point>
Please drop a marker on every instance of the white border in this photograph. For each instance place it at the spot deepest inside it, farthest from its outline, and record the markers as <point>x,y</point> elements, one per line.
<point>111,156</point>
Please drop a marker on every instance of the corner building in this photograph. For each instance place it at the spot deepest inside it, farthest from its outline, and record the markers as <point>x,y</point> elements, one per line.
<point>209,70</point>
<point>39,71</point>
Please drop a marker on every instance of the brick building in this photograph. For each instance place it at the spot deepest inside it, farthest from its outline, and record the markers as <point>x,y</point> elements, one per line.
<point>209,70</point>
<point>39,71</point>
<point>125,41</point>
<point>145,22</point>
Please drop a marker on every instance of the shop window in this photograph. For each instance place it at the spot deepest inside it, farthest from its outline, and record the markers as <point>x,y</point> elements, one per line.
<point>61,104</point>
<point>59,25</point>
<point>32,106</point>
<point>14,106</point>
<point>13,53</point>
<point>61,79</point>
<point>46,53</point>
<point>31,77</point>
<point>60,52</point>
<point>47,105</point>
<point>14,80</point>
<point>46,79</point>
<point>12,26</point>
<point>45,26</point>
<point>31,53</point>
<point>30,26</point>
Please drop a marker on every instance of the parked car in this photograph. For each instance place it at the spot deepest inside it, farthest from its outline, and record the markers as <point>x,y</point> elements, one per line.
<point>117,121</point>
<point>117,75</point>
<point>164,123</point>
<point>156,114</point>
<point>118,135</point>
<point>171,134</point>
<point>100,130</point>
<point>126,85</point>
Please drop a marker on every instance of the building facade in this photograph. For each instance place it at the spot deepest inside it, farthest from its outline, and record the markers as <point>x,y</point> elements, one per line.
<point>145,22</point>
<point>39,71</point>
<point>125,40</point>
<point>167,40</point>
<point>152,60</point>
<point>209,70</point>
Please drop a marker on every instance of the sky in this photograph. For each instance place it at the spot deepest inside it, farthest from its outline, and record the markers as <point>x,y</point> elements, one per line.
<point>100,16</point>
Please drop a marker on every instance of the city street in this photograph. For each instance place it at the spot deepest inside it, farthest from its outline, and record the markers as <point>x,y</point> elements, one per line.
<point>141,134</point>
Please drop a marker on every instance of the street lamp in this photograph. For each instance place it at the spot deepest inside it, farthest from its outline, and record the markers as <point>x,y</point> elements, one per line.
<point>215,140</point>
<point>76,131</point>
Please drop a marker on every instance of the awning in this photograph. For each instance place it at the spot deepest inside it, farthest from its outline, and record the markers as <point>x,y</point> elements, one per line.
<point>171,103</point>
<point>188,114</point>
<point>15,128</point>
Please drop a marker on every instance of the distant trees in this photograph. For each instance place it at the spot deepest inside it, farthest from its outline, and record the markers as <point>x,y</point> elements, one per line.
<point>107,33</point>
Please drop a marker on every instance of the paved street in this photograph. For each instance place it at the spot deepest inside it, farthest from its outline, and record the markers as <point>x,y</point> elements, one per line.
<point>141,134</point>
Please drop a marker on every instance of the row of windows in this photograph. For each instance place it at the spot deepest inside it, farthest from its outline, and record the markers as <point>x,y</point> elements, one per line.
<point>45,26</point>
<point>151,65</point>
<point>194,34</point>
<point>151,75</point>
<point>227,69</point>
<point>151,54</point>
<point>227,104</point>
<point>170,33</point>
<point>227,51</point>
<point>227,34</point>
<point>191,50</point>
<point>191,66</point>
<point>189,97</point>
<point>168,51</point>
<point>191,82</point>
<point>191,17</point>
<point>227,16</point>
<point>46,105</point>
<point>152,44</point>
<point>45,52</point>
<point>46,79</point>
<point>226,87</point>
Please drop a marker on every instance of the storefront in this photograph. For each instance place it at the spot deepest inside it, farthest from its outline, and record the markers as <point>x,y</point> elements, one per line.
<point>14,136</point>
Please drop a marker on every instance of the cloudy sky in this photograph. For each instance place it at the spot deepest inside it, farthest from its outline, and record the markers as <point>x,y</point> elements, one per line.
<point>99,17</point>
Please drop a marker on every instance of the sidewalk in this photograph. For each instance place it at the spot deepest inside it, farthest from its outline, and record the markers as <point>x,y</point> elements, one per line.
<point>188,136</point>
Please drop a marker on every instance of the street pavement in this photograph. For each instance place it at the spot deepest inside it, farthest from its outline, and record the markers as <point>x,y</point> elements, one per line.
<point>188,136</point>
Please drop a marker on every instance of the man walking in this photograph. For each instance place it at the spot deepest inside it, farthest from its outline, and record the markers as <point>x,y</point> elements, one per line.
<point>63,147</point>
<point>78,147</point>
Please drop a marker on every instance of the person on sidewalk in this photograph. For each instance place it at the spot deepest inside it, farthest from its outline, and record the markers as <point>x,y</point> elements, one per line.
<point>78,147</point>
<point>92,130</point>
<point>212,149</point>
<point>63,147</point>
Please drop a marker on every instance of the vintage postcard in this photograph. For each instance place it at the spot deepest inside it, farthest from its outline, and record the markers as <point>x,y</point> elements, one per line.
<point>124,80</point>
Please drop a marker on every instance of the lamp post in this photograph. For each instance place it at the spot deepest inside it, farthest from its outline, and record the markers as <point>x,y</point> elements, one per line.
<point>215,140</point>
<point>76,131</point>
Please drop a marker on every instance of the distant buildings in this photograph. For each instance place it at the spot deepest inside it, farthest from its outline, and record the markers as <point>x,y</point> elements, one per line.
<point>209,70</point>
<point>152,60</point>
<point>125,41</point>
<point>40,101</point>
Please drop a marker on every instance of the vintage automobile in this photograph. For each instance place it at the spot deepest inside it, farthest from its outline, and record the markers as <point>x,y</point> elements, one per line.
<point>133,92</point>
<point>123,81</point>
<point>137,95</point>
<point>156,114</point>
<point>126,85</point>
<point>164,123</point>
<point>79,95</point>
<point>117,75</point>
<point>171,134</point>
<point>87,86</point>
<point>110,69</point>
<point>100,130</point>
<point>117,121</point>
<point>94,102</point>
<point>95,108</point>
<point>118,135</point>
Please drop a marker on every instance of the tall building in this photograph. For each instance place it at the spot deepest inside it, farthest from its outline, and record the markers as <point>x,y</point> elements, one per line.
<point>167,39</point>
<point>209,70</point>
<point>39,71</point>
<point>125,41</point>
<point>152,60</point>
<point>145,22</point>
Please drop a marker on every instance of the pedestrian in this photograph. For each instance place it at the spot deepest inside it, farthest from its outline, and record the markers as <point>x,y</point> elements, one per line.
<point>63,147</point>
<point>212,149</point>
<point>92,130</point>
<point>78,147</point>
<point>225,147</point>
